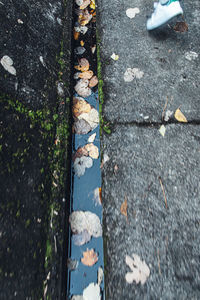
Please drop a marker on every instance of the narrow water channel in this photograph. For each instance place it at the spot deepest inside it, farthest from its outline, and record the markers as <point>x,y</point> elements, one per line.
<point>85,276</point>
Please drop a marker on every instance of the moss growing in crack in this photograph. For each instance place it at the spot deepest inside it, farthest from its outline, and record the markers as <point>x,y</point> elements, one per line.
<point>103,124</point>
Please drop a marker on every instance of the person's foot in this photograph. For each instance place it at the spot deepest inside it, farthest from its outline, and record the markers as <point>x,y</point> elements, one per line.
<point>163,13</point>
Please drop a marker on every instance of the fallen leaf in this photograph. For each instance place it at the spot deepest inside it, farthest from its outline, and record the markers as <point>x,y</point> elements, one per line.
<point>86,75</point>
<point>80,106</point>
<point>168,114</point>
<point>76,35</point>
<point>115,56</point>
<point>162,130</point>
<point>130,74</point>
<point>140,270</point>
<point>7,63</point>
<point>93,49</point>
<point>100,276</point>
<point>179,116</point>
<point>83,65</point>
<point>82,88</point>
<point>84,17</point>
<point>92,4</point>
<point>82,126</point>
<point>92,118</point>
<point>191,55</point>
<point>93,81</point>
<point>81,164</point>
<point>93,150</point>
<point>84,4</point>
<point>80,221</point>
<point>92,292</point>
<point>82,43</point>
<point>79,50</point>
<point>72,264</point>
<point>89,258</point>
<point>80,152</point>
<point>92,138</point>
<point>131,12</point>
<point>97,196</point>
<point>81,29</point>
<point>123,208</point>
<point>82,238</point>
<point>181,27</point>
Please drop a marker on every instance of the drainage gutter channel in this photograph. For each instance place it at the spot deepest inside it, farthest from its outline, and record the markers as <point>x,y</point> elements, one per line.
<point>85,277</point>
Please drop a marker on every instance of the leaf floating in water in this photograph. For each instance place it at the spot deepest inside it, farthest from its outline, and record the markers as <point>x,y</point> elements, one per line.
<point>140,270</point>
<point>82,126</point>
<point>80,106</point>
<point>82,88</point>
<point>92,138</point>
<point>89,258</point>
<point>93,150</point>
<point>92,292</point>
<point>82,238</point>
<point>93,81</point>
<point>92,4</point>
<point>92,118</point>
<point>179,116</point>
<point>80,221</point>
<point>181,27</point>
<point>84,17</point>
<point>81,164</point>
<point>97,196</point>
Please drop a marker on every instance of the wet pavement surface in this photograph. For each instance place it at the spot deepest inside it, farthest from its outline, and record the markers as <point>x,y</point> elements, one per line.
<point>158,175</point>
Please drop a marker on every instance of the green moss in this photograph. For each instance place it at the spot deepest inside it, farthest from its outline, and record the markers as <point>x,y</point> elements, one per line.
<point>103,124</point>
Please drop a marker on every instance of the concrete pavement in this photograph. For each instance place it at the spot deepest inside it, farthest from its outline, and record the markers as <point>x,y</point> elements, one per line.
<point>158,175</point>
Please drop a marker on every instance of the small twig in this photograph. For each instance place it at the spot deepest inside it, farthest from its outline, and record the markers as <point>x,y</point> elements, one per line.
<point>158,255</point>
<point>164,109</point>
<point>162,187</point>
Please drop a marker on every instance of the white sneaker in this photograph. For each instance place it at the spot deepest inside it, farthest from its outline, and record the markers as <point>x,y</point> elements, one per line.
<point>163,13</point>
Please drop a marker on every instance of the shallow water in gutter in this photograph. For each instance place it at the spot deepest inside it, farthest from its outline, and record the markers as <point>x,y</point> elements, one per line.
<point>83,187</point>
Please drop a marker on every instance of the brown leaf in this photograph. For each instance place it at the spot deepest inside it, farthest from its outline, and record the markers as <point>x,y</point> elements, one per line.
<point>76,35</point>
<point>86,75</point>
<point>83,65</point>
<point>80,106</point>
<point>123,208</point>
<point>179,116</point>
<point>89,258</point>
<point>84,17</point>
<point>82,88</point>
<point>93,150</point>
<point>181,27</point>
<point>93,81</point>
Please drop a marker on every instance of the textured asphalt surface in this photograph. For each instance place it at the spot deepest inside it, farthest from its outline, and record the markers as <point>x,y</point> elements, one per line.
<point>162,229</point>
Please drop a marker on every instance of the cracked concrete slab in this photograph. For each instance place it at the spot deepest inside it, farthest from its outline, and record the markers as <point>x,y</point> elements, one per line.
<point>161,55</point>
<point>163,232</point>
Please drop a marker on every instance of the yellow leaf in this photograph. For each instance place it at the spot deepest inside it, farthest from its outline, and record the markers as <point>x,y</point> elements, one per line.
<point>179,116</point>
<point>92,4</point>
<point>89,258</point>
<point>162,130</point>
<point>82,43</point>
